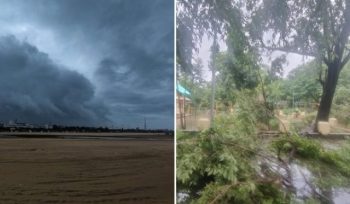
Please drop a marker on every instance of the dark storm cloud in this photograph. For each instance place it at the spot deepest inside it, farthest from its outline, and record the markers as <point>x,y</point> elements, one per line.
<point>126,46</point>
<point>136,94</point>
<point>35,89</point>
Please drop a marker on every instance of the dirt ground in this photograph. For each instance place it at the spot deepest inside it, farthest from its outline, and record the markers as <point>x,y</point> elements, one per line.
<point>86,171</point>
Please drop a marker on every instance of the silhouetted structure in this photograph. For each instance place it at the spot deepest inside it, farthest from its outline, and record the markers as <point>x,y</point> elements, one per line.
<point>26,127</point>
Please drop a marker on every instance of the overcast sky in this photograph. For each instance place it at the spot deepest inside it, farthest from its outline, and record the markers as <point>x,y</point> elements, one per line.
<point>87,62</point>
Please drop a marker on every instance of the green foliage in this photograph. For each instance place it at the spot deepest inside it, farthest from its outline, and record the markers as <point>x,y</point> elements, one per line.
<point>200,89</point>
<point>241,61</point>
<point>298,125</point>
<point>237,71</point>
<point>341,102</point>
<point>198,18</point>
<point>319,29</point>
<point>303,27</point>
<point>308,149</point>
<point>303,147</point>
<point>310,117</point>
<point>303,83</point>
<point>274,124</point>
<point>219,165</point>
<point>329,168</point>
<point>225,83</point>
<point>220,168</point>
<point>341,112</point>
<point>277,64</point>
<point>276,91</point>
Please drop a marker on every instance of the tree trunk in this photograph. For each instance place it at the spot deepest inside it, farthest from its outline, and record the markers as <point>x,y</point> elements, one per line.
<point>212,100</point>
<point>329,86</point>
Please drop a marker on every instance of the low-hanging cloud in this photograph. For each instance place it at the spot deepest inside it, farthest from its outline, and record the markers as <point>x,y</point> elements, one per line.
<point>124,48</point>
<point>35,89</point>
<point>132,96</point>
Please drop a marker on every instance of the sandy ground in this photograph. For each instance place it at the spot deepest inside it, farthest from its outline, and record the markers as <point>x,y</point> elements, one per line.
<point>86,171</point>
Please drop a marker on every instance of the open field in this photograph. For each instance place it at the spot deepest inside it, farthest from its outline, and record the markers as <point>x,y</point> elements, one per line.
<point>86,171</point>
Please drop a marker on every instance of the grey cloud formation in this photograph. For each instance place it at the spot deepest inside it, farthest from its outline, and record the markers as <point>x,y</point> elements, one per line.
<point>135,94</point>
<point>122,49</point>
<point>35,89</point>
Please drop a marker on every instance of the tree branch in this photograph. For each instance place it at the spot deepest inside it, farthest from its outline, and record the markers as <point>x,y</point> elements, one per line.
<point>344,36</point>
<point>288,49</point>
<point>345,60</point>
<point>320,79</point>
<point>326,60</point>
<point>222,193</point>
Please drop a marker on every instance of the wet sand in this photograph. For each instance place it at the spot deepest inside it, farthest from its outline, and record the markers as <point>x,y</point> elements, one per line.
<point>45,170</point>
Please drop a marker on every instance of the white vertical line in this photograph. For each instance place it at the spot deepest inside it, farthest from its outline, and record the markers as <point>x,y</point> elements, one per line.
<point>175,201</point>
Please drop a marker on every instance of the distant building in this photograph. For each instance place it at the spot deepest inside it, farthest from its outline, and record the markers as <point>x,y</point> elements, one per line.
<point>15,124</point>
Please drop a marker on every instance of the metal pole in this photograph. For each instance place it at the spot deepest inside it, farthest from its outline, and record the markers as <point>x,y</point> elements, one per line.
<point>214,51</point>
<point>184,122</point>
<point>212,100</point>
<point>293,100</point>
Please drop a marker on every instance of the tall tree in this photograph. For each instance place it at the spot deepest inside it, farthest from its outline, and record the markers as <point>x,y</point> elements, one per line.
<point>197,18</point>
<point>319,29</point>
<point>303,83</point>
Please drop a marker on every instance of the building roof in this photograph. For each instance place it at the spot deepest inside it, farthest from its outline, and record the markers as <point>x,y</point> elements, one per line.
<point>182,90</point>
